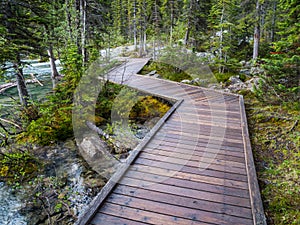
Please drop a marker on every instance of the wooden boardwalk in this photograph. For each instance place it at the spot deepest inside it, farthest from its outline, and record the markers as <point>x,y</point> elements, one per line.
<point>195,166</point>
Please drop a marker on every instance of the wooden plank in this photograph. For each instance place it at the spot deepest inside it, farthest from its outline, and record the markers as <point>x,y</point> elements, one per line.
<point>256,202</point>
<point>189,86</point>
<point>184,183</point>
<point>181,154</point>
<point>197,177</point>
<point>150,86</point>
<point>159,87</point>
<point>202,111</point>
<point>179,211</point>
<point>206,122</point>
<point>184,201</point>
<point>202,195</point>
<point>104,219</point>
<point>211,136</point>
<point>145,217</point>
<point>105,191</point>
<point>208,138</point>
<point>202,130</point>
<point>175,92</point>
<point>186,162</point>
<point>184,132</point>
<point>167,142</point>
<point>197,154</point>
<point>204,126</point>
<point>209,119</point>
<point>210,115</point>
<point>202,96</point>
<point>212,106</point>
<point>239,180</point>
<point>208,109</point>
<point>166,180</point>
<point>190,115</point>
<point>198,126</point>
<point>174,140</point>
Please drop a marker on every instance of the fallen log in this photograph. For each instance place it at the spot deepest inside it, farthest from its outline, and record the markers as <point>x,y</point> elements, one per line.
<point>123,140</point>
<point>7,86</point>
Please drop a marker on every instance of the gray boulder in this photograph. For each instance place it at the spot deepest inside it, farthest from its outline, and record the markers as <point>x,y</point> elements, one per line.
<point>235,80</point>
<point>186,81</point>
<point>96,154</point>
<point>152,73</point>
<point>256,70</point>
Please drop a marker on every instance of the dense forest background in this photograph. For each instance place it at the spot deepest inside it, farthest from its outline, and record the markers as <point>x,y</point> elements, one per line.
<point>259,33</point>
<point>233,31</point>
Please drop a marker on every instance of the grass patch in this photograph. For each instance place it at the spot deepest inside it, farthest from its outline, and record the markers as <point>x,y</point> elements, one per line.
<point>166,71</point>
<point>275,138</point>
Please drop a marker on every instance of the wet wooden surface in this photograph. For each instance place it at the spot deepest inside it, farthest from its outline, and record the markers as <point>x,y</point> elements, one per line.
<point>196,168</point>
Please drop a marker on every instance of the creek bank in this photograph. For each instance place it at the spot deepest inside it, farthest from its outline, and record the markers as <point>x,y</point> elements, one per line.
<point>65,186</point>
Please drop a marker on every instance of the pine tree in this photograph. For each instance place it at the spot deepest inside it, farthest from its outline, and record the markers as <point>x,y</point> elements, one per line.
<point>223,19</point>
<point>283,68</point>
<point>21,26</point>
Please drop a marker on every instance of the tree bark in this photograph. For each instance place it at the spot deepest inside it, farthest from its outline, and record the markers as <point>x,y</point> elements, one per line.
<point>172,21</point>
<point>187,34</point>
<point>145,41</point>
<point>188,28</point>
<point>221,68</point>
<point>77,8</point>
<point>256,36</point>
<point>69,20</point>
<point>134,26</point>
<point>21,85</point>
<point>273,21</point>
<point>83,5</point>
<point>54,72</point>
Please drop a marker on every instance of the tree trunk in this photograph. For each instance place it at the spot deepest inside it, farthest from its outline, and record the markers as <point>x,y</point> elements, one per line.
<point>188,28</point>
<point>141,50</point>
<point>77,8</point>
<point>21,84</point>
<point>134,26</point>
<point>54,72</point>
<point>256,35</point>
<point>83,5</point>
<point>145,41</point>
<point>273,21</point>
<point>172,22</point>
<point>187,33</point>
<point>12,26</point>
<point>145,27</point>
<point>256,41</point>
<point>69,20</point>
<point>221,68</point>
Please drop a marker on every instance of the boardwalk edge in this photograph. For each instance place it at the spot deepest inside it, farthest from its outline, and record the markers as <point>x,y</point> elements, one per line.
<point>92,208</point>
<point>255,197</point>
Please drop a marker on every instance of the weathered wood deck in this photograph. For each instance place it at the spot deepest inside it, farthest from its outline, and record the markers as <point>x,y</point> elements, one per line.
<point>195,166</point>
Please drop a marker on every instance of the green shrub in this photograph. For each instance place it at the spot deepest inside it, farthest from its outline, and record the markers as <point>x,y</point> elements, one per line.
<point>17,167</point>
<point>166,71</point>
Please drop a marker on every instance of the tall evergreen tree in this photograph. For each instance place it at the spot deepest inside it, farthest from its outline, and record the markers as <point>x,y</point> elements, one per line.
<point>21,25</point>
<point>223,17</point>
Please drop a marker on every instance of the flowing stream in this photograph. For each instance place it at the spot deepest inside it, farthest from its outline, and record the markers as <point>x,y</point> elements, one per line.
<point>10,205</point>
<point>80,183</point>
<point>42,73</point>
<point>63,159</point>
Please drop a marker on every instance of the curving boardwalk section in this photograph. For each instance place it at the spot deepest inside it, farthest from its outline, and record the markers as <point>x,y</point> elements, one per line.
<point>195,166</point>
